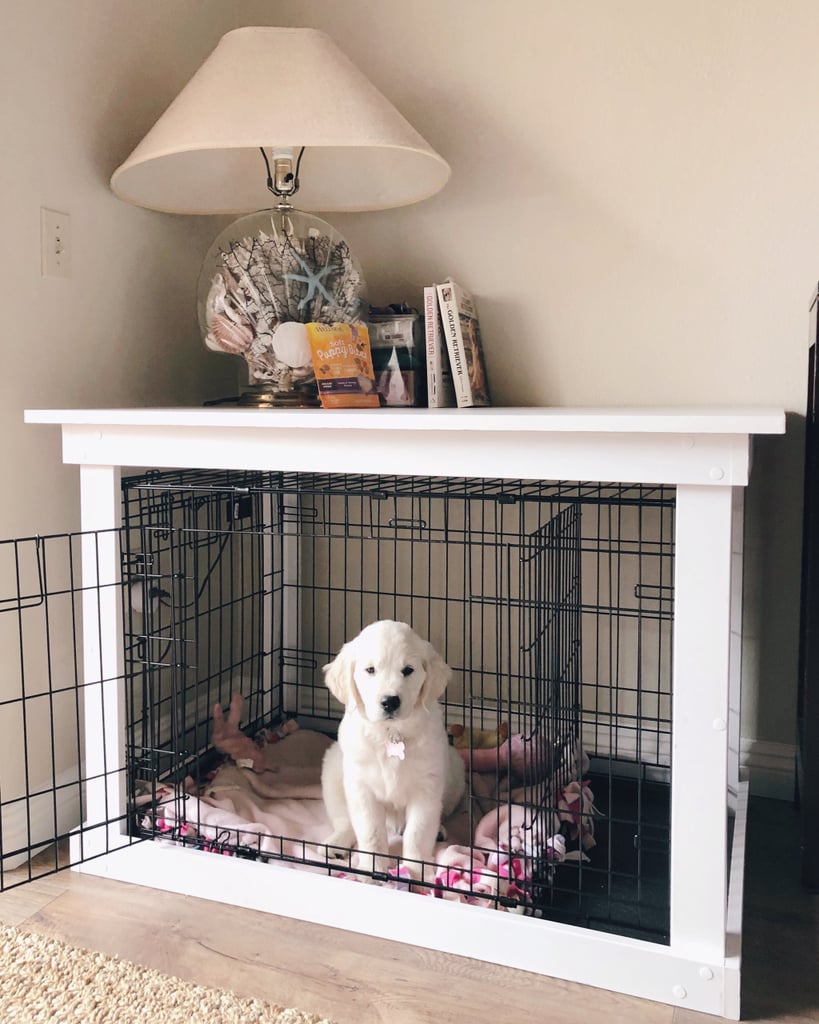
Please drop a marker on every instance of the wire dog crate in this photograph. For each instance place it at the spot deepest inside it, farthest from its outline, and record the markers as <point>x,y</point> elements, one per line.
<point>593,631</point>
<point>552,603</point>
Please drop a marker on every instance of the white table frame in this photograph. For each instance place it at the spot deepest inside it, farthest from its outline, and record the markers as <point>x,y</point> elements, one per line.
<point>704,453</point>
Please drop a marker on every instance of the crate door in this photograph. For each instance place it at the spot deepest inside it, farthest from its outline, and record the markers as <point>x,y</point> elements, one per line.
<point>62,703</point>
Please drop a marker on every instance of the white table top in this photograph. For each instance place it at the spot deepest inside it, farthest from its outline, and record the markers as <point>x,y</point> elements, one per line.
<point>693,420</point>
<point>658,445</point>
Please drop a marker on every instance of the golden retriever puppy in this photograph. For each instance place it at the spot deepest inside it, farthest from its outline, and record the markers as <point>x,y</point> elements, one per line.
<point>392,769</point>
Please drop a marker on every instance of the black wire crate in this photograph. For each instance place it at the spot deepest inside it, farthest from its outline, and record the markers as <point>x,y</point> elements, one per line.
<point>551,602</point>
<point>51,686</point>
<point>206,620</point>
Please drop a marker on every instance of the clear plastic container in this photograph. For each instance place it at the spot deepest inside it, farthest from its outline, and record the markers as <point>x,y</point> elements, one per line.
<point>399,355</point>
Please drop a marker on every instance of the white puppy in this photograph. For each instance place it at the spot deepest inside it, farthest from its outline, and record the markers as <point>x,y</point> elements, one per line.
<point>392,769</point>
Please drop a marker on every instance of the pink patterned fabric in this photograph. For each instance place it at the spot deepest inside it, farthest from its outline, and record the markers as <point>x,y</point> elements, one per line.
<point>270,805</point>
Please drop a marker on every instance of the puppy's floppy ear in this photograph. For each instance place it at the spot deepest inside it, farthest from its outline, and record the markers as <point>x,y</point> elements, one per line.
<point>338,677</point>
<point>438,675</point>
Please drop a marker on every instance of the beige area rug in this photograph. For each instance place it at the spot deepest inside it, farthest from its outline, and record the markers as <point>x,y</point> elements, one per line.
<point>46,981</point>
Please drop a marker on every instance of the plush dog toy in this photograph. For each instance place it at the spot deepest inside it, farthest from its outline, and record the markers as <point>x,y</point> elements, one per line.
<point>576,810</point>
<point>478,739</point>
<point>230,740</point>
<point>527,759</point>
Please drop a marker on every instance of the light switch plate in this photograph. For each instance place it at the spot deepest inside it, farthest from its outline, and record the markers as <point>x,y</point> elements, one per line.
<point>55,232</point>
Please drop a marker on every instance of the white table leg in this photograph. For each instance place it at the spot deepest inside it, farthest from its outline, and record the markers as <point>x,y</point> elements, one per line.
<point>702,663</point>
<point>102,695</point>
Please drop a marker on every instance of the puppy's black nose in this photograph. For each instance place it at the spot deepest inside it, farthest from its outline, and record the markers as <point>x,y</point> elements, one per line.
<point>390,704</point>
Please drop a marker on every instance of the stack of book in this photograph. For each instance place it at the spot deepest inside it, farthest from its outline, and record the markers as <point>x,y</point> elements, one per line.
<point>456,374</point>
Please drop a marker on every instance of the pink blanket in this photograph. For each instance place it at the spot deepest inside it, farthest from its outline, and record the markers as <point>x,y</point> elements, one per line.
<point>270,804</point>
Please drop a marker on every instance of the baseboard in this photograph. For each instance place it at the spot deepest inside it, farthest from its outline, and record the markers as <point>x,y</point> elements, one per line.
<point>770,767</point>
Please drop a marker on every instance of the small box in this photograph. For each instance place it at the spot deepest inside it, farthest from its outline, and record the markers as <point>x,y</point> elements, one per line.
<point>399,356</point>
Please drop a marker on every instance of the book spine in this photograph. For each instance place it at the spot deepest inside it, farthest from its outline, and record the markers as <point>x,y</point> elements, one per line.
<point>451,325</point>
<point>432,330</point>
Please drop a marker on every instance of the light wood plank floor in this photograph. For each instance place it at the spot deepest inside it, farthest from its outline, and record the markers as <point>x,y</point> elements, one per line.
<point>359,980</point>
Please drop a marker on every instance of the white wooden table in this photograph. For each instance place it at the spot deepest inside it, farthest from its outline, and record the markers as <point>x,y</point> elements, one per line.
<point>704,453</point>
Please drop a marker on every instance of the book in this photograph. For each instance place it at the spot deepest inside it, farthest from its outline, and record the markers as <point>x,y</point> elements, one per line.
<point>440,392</point>
<point>459,320</point>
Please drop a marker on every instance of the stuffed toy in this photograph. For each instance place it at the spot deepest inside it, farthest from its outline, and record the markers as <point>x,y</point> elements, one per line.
<point>478,739</point>
<point>576,811</point>
<point>230,740</point>
<point>527,759</point>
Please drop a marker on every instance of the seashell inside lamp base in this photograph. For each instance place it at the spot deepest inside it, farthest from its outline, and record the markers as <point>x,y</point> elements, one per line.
<point>291,344</point>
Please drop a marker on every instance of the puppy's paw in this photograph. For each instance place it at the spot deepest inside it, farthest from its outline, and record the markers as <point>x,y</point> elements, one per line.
<point>336,847</point>
<point>377,867</point>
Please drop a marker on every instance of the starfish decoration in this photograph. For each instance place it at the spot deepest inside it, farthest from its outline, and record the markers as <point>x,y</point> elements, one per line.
<point>312,280</point>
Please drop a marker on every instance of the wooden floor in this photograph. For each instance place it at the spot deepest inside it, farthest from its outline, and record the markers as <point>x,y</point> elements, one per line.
<point>359,980</point>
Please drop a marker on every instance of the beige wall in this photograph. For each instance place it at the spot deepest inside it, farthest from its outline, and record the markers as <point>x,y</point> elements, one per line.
<point>632,202</point>
<point>632,186</point>
<point>81,83</point>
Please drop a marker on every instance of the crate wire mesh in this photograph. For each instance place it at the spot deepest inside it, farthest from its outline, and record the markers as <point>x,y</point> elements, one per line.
<point>48,688</point>
<point>552,603</point>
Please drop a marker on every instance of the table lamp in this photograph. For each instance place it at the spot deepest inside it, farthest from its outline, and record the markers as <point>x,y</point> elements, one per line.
<point>281,111</point>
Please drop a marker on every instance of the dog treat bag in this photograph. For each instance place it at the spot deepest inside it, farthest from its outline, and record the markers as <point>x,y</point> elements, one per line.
<point>343,365</point>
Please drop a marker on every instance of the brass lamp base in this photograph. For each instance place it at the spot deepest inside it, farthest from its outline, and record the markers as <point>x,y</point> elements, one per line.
<point>262,396</point>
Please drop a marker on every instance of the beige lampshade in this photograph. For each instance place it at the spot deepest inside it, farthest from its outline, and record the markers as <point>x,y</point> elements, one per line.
<point>276,87</point>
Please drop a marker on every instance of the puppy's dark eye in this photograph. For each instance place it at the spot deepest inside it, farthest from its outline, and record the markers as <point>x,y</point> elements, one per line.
<point>370,670</point>
<point>407,670</point>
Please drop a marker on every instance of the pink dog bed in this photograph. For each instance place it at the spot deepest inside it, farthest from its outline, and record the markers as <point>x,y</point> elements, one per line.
<point>264,801</point>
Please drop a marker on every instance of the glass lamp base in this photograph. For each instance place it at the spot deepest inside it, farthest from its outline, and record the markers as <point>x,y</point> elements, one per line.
<point>265,277</point>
